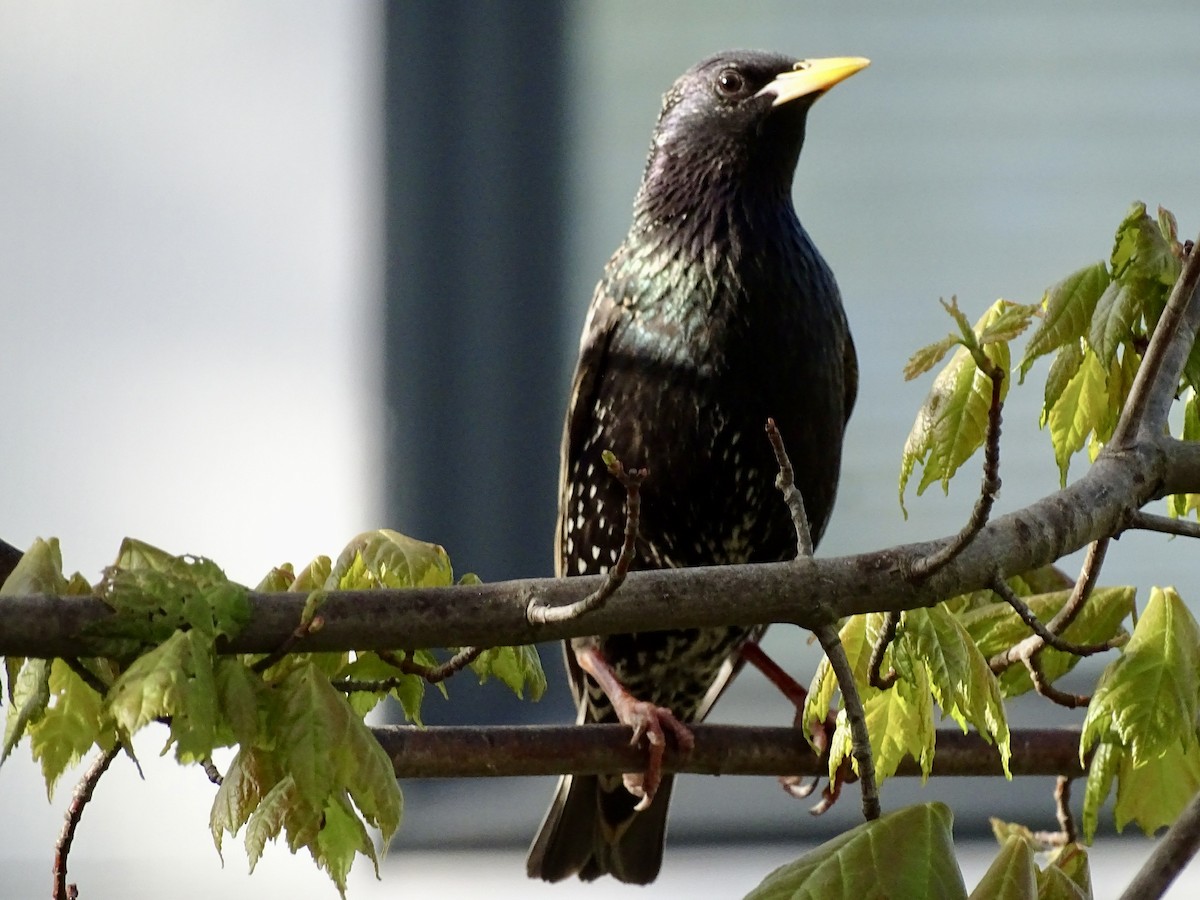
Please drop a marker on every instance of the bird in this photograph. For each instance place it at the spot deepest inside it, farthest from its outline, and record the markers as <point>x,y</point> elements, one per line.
<point>716,313</point>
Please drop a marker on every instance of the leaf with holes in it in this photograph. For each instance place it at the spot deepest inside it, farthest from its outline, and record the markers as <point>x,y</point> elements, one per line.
<point>952,422</point>
<point>1069,305</point>
<point>1146,700</point>
<point>906,853</point>
<point>1140,250</point>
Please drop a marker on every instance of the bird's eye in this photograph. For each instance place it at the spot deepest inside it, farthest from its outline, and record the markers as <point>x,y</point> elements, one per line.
<point>731,82</point>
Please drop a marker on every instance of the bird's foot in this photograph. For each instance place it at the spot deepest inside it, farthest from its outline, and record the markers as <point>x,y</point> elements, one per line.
<point>648,721</point>
<point>651,723</point>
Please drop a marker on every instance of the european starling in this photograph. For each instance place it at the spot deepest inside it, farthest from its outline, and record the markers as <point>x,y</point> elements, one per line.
<point>716,313</point>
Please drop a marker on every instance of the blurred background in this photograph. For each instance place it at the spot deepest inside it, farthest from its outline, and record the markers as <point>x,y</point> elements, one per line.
<point>276,273</point>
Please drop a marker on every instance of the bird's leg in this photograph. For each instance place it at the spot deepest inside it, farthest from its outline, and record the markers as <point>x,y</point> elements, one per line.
<point>647,720</point>
<point>753,653</point>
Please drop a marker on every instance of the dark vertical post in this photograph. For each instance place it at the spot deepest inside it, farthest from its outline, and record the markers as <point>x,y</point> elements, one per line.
<point>475,99</point>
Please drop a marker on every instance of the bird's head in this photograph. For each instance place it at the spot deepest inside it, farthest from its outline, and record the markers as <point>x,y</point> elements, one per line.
<point>737,119</point>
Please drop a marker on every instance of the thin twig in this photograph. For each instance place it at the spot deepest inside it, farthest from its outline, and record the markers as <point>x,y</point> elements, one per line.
<point>1164,524</point>
<point>538,613</point>
<point>1006,593</point>
<point>300,633</point>
<point>831,643</point>
<point>1062,808</point>
<point>1048,690</point>
<point>211,770</point>
<point>432,674</point>
<point>1154,386</point>
<point>1172,853</point>
<point>988,489</point>
<point>86,675</point>
<point>891,620</point>
<point>79,800</point>
<point>1089,573</point>
<point>786,482</point>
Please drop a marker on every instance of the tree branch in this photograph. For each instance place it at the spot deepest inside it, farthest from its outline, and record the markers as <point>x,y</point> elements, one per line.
<point>1164,524</point>
<point>79,801</point>
<point>805,592</point>
<point>470,751</point>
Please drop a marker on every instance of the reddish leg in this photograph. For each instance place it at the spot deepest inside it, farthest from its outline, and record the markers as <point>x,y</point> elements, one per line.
<point>646,720</point>
<point>798,695</point>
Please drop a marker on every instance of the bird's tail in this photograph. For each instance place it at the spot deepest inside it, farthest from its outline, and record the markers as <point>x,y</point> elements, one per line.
<point>591,829</point>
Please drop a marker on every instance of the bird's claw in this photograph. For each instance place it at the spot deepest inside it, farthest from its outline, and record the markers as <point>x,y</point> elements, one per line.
<point>651,723</point>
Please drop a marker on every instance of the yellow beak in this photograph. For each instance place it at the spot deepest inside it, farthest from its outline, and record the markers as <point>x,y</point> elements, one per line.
<point>811,76</point>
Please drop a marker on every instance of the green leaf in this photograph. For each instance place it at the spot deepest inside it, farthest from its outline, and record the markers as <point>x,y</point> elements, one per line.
<point>1112,323</point>
<point>369,667</point>
<point>278,580</point>
<point>1071,862</point>
<point>1141,251</point>
<point>174,679</point>
<point>952,422</point>
<point>1069,305</point>
<point>326,748</point>
<point>1011,876</point>
<point>1064,368</point>
<point>928,357</point>
<point>69,728</point>
<point>1080,408</point>
<point>1106,760</point>
<point>38,571</point>
<point>251,775</point>
<point>906,853</point>
<point>856,635</point>
<point>900,724</point>
<point>1054,884</point>
<point>1168,226</point>
<point>1146,700</point>
<point>342,835</point>
<point>517,667</point>
<point>996,626</point>
<point>386,558</point>
<point>238,699</point>
<point>153,593</point>
<point>1154,793</point>
<point>959,677</point>
<point>30,697</point>
<point>1182,504</point>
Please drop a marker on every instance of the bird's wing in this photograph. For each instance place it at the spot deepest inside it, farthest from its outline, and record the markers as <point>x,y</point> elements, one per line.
<point>604,319</point>
<point>849,374</point>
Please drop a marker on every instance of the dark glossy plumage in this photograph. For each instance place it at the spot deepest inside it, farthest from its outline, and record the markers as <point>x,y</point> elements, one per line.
<point>716,313</point>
